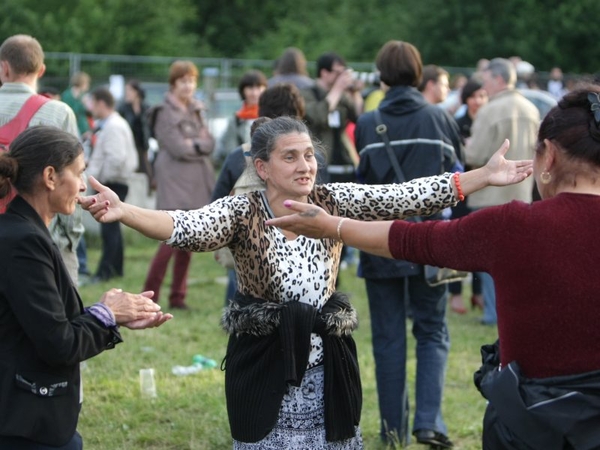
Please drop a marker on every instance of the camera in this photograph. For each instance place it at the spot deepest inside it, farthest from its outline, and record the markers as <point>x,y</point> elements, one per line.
<point>366,77</point>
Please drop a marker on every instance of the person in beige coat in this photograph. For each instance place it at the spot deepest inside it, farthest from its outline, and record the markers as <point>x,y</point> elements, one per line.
<point>508,115</point>
<point>183,170</point>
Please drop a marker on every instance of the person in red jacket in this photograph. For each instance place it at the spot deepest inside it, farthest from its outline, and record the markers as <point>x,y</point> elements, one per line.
<point>543,257</point>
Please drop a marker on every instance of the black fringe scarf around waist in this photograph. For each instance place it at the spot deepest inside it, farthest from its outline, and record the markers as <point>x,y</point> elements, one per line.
<point>269,347</point>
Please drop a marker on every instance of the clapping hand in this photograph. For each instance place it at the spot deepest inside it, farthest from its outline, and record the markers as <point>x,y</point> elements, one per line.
<point>135,311</point>
<point>151,322</point>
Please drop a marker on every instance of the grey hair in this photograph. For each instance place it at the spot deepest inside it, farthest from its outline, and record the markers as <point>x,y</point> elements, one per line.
<point>268,131</point>
<point>504,68</point>
<point>265,133</point>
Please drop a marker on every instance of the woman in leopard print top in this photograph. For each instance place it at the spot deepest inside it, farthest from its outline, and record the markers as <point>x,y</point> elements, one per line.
<point>275,267</point>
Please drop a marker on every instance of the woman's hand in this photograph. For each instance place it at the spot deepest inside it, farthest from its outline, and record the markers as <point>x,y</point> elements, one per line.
<point>104,206</point>
<point>128,307</point>
<point>314,222</point>
<point>152,322</point>
<point>310,221</point>
<point>502,172</point>
<point>498,171</point>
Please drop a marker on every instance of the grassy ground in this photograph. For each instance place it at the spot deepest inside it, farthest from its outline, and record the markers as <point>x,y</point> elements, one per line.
<point>189,411</point>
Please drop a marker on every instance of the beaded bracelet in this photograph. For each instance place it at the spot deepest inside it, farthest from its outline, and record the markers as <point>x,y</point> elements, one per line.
<point>339,229</point>
<point>460,195</point>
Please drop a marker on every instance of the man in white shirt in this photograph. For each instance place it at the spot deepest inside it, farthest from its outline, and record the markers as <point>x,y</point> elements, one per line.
<point>113,161</point>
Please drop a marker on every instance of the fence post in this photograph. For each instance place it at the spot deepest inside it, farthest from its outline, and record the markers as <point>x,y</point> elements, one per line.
<point>74,64</point>
<point>210,77</point>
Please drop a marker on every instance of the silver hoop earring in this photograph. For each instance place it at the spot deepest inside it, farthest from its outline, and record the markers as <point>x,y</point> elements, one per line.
<point>545,177</point>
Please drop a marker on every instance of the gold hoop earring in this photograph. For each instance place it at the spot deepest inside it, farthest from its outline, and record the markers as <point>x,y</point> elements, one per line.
<point>545,177</point>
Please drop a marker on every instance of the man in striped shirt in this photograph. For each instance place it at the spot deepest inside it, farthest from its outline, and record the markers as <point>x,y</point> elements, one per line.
<point>21,65</point>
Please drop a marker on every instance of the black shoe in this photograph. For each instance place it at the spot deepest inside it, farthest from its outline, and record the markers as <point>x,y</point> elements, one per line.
<point>434,439</point>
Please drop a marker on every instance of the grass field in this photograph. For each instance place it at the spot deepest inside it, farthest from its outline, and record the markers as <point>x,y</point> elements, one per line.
<point>189,411</point>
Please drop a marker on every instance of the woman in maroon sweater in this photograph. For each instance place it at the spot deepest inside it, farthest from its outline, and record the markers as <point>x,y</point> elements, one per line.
<point>544,260</point>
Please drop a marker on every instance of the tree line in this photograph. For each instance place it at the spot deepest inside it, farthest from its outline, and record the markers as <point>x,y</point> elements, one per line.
<point>454,33</point>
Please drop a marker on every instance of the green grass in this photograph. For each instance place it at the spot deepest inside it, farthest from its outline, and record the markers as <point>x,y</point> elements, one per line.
<point>189,411</point>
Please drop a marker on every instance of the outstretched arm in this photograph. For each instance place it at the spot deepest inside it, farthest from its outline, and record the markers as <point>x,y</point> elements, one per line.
<point>497,172</point>
<point>106,207</point>
<point>372,237</point>
<point>312,221</point>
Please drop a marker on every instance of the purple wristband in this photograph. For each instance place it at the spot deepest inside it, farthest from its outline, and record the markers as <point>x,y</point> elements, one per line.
<point>103,314</point>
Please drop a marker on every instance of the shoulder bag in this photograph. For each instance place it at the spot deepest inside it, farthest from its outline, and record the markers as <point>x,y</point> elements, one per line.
<point>434,276</point>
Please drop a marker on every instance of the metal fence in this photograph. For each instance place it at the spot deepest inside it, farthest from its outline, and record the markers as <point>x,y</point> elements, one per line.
<point>216,73</point>
<point>218,80</point>
<point>224,72</point>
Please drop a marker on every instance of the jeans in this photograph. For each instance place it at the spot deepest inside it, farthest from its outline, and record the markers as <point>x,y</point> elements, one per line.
<point>111,261</point>
<point>489,299</point>
<point>455,288</point>
<point>16,443</point>
<point>82,257</point>
<point>231,286</point>
<point>388,325</point>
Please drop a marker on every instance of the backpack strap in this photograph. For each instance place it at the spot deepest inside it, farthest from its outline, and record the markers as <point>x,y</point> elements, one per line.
<point>13,128</point>
<point>381,130</point>
<point>21,121</point>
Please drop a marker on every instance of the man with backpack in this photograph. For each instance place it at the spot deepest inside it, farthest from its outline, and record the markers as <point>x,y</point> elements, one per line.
<point>21,66</point>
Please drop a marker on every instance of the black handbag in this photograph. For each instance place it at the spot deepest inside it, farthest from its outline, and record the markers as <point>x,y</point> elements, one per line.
<point>434,276</point>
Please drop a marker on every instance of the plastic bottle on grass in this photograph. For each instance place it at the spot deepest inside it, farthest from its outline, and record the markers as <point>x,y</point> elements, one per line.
<point>200,363</point>
<point>203,361</point>
<point>186,370</point>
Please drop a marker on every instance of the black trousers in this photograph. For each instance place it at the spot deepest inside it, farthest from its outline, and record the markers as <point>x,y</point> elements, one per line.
<point>111,261</point>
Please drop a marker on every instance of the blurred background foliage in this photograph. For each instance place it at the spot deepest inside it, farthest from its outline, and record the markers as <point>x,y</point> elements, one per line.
<point>447,32</point>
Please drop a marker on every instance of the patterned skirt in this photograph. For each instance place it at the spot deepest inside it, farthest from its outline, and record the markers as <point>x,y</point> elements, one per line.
<point>301,422</point>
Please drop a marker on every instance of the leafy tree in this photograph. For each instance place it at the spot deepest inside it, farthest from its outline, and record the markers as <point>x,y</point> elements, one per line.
<point>229,27</point>
<point>543,33</point>
<point>106,26</point>
<point>447,32</point>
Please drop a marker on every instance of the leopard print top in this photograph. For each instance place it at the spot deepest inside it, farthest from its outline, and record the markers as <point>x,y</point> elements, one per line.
<point>270,266</point>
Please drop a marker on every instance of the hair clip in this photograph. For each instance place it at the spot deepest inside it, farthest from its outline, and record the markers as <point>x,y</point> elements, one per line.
<point>594,99</point>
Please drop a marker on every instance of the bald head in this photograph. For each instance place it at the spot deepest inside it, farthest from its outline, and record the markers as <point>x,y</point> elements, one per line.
<point>23,54</point>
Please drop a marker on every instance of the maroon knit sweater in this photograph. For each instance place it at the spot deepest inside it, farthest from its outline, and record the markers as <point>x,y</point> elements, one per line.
<point>545,260</point>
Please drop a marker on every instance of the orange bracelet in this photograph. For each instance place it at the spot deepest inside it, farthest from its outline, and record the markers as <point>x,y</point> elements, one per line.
<point>461,196</point>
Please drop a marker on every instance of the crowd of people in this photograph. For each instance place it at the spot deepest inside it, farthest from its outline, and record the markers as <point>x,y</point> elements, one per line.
<point>310,169</point>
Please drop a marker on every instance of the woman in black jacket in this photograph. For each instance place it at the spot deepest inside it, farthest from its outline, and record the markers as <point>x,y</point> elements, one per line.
<point>45,331</point>
<point>134,111</point>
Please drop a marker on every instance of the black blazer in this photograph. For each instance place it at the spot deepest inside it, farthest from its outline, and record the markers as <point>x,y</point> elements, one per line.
<point>44,332</point>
